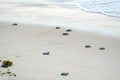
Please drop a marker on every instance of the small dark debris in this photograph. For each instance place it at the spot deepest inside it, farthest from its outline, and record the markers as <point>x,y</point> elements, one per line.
<point>65,34</point>
<point>14,24</point>
<point>64,74</point>
<point>68,30</point>
<point>58,28</point>
<point>6,63</point>
<point>0,60</point>
<point>4,66</point>
<point>88,46</point>
<point>8,72</point>
<point>102,48</point>
<point>46,53</point>
<point>10,75</point>
<point>14,75</point>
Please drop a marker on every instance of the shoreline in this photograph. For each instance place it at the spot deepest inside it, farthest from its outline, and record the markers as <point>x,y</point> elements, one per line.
<point>62,16</point>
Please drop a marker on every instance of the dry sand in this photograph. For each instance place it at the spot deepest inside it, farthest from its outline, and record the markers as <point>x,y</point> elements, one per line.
<point>24,45</point>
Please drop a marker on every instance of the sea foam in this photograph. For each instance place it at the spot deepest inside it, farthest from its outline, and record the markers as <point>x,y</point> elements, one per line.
<point>107,7</point>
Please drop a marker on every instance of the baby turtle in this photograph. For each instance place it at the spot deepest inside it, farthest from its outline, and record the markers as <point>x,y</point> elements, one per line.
<point>88,46</point>
<point>65,34</point>
<point>46,53</point>
<point>58,28</point>
<point>68,30</point>
<point>102,48</point>
<point>14,24</point>
<point>64,74</point>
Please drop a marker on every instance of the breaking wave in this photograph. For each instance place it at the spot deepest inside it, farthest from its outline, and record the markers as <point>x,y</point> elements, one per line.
<point>107,7</point>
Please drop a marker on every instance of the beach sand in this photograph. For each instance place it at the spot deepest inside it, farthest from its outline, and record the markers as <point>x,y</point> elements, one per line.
<point>25,43</point>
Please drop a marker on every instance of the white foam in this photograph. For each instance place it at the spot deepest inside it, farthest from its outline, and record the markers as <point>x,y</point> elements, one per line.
<point>107,7</point>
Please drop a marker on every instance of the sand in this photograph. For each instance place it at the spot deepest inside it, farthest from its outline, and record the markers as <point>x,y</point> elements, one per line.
<point>25,43</point>
<point>36,33</point>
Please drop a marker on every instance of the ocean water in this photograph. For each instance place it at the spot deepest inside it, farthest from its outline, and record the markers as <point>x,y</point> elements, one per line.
<point>107,7</point>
